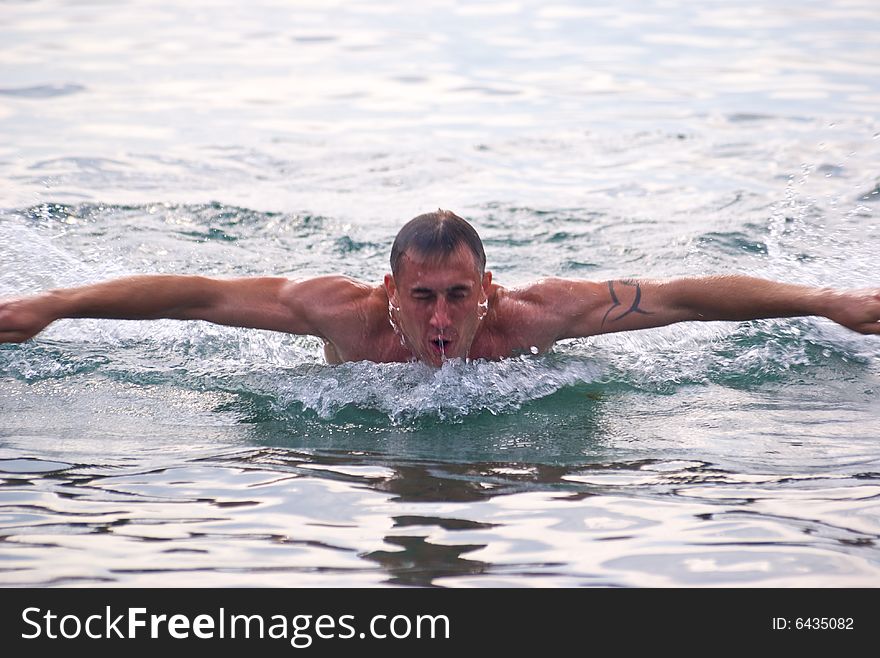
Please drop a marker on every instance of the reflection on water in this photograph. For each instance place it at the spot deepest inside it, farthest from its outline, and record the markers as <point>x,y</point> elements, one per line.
<point>276,517</point>
<point>420,562</point>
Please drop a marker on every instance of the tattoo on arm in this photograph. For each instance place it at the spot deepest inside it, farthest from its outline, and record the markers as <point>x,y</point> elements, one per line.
<point>615,302</point>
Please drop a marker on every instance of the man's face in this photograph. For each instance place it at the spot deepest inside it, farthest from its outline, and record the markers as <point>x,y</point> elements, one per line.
<point>439,303</point>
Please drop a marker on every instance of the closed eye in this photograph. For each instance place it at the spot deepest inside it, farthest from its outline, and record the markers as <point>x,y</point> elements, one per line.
<point>456,293</point>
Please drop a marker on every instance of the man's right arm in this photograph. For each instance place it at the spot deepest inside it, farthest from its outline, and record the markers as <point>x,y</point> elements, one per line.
<point>261,303</point>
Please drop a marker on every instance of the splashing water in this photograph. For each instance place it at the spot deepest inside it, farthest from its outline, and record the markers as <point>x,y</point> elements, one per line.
<point>407,391</point>
<point>394,326</point>
<point>288,373</point>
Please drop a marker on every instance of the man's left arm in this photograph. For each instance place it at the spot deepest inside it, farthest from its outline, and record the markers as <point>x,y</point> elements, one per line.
<point>584,308</point>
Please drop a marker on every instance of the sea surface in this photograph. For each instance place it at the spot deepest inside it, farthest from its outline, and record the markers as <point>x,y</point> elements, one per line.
<point>651,138</point>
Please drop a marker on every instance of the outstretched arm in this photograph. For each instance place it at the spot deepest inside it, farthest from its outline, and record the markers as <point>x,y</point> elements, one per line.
<point>583,308</point>
<point>274,303</point>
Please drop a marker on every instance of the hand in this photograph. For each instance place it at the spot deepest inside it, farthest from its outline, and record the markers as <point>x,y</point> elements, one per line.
<point>21,319</point>
<point>858,310</point>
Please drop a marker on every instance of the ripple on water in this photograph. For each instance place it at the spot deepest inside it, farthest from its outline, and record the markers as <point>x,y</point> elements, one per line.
<point>42,91</point>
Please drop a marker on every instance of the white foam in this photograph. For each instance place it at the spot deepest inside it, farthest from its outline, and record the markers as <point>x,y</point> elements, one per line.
<point>405,391</point>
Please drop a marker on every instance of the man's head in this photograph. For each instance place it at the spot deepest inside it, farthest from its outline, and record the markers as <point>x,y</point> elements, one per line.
<point>438,288</point>
<point>439,234</point>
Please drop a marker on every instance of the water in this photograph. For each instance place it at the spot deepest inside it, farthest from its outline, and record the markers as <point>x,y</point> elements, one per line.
<point>650,139</point>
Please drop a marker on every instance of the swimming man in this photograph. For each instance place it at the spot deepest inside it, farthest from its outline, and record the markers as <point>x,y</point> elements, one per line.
<point>438,302</point>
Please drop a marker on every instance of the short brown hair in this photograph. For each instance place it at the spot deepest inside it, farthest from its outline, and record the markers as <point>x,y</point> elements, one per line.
<point>437,233</point>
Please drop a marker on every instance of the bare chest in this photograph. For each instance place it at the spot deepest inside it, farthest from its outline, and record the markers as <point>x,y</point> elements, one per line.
<point>386,346</point>
<point>381,346</point>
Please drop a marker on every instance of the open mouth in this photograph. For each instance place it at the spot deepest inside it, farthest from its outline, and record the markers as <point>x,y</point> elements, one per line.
<point>441,345</point>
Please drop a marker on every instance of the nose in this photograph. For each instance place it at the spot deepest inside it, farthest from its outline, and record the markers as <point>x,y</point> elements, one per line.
<point>440,315</point>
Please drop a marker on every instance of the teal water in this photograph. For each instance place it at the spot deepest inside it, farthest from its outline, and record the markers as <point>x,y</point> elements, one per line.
<point>653,139</point>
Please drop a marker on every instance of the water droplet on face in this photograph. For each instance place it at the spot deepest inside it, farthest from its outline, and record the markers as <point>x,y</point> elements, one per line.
<point>394,327</point>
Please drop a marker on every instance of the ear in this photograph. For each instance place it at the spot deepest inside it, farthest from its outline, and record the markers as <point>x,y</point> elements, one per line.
<point>487,283</point>
<point>391,289</point>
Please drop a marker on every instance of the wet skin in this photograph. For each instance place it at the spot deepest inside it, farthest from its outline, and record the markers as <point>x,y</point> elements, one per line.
<point>445,308</point>
<point>438,307</point>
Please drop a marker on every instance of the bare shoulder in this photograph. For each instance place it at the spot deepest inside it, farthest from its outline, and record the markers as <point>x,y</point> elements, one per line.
<point>573,308</point>
<point>540,300</point>
<point>538,313</point>
<point>329,303</point>
<point>332,289</point>
<point>553,291</point>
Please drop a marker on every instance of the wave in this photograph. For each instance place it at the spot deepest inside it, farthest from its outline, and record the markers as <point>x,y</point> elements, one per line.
<point>283,377</point>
